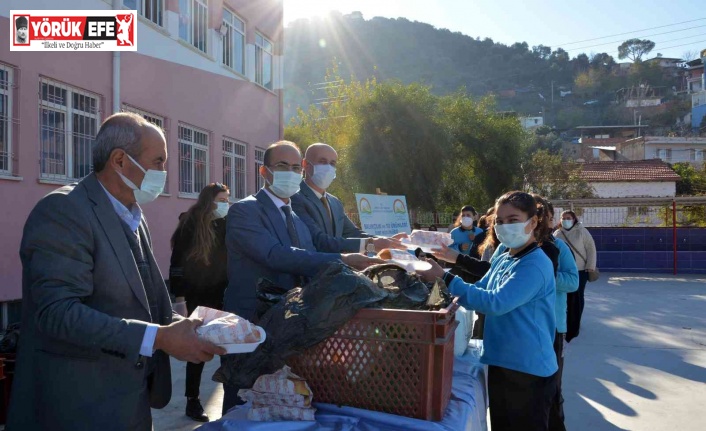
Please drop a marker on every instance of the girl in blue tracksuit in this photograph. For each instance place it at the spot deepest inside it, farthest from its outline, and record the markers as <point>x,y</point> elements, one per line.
<point>465,231</point>
<point>517,296</point>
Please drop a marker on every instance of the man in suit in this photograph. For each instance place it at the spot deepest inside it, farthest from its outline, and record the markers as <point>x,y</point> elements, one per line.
<point>267,240</point>
<point>97,323</point>
<point>324,214</point>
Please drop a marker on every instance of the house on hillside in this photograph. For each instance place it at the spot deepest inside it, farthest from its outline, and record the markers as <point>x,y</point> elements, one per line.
<point>604,136</point>
<point>695,76</point>
<point>627,179</point>
<point>530,123</point>
<point>667,149</point>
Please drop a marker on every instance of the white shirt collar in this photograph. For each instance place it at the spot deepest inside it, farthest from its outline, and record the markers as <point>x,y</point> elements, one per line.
<point>279,203</point>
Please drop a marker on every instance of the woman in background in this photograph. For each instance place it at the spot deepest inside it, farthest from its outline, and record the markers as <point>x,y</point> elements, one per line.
<point>197,273</point>
<point>581,243</point>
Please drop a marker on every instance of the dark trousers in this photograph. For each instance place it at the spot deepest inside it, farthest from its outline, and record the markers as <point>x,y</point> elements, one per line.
<point>556,414</point>
<point>194,371</point>
<point>574,306</point>
<point>519,401</point>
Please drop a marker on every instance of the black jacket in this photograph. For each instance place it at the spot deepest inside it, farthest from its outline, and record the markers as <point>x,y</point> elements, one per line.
<point>194,280</point>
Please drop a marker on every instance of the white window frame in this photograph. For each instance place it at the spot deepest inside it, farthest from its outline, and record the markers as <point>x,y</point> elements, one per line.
<point>68,111</point>
<point>7,118</point>
<point>229,41</point>
<point>262,49</point>
<point>192,188</point>
<point>697,155</point>
<point>235,155</point>
<point>195,10</point>
<point>155,9</point>
<point>155,119</point>
<point>259,161</point>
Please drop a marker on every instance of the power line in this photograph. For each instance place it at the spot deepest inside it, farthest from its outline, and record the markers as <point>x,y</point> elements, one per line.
<point>630,32</point>
<point>646,36</point>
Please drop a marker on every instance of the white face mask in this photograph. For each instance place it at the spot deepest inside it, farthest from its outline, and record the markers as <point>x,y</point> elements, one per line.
<point>466,221</point>
<point>567,224</point>
<point>152,183</point>
<point>285,184</point>
<point>221,209</point>
<point>513,235</point>
<point>323,175</point>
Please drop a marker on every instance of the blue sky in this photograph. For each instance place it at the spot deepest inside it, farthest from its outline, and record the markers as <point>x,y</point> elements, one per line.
<point>548,22</point>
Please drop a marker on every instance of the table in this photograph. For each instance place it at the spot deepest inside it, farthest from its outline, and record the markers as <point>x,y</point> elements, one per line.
<point>466,410</point>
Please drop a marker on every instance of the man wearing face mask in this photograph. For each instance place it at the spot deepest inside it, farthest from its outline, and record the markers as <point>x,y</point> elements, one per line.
<point>96,317</point>
<point>267,240</point>
<point>323,213</point>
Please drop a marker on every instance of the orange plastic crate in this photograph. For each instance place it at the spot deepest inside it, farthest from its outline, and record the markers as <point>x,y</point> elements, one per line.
<point>393,361</point>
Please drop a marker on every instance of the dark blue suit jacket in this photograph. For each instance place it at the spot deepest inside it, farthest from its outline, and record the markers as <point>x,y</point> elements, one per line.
<point>259,247</point>
<point>341,237</point>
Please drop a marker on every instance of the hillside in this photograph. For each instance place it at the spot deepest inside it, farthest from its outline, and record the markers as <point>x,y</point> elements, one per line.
<point>520,76</point>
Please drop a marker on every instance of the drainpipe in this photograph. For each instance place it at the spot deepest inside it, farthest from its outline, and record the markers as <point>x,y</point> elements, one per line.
<point>117,5</point>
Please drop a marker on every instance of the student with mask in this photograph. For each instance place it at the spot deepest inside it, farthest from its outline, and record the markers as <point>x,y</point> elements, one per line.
<point>517,296</point>
<point>465,232</point>
<point>581,243</point>
<point>267,240</point>
<point>197,274</point>
<point>323,213</point>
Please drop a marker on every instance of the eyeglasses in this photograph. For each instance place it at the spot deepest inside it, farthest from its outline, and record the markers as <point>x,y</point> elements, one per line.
<point>283,167</point>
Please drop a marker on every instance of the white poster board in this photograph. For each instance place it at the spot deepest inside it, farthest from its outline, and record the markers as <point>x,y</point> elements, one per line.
<point>383,215</point>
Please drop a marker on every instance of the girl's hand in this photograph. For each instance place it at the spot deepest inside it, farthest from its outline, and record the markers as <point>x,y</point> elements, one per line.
<point>446,254</point>
<point>432,274</point>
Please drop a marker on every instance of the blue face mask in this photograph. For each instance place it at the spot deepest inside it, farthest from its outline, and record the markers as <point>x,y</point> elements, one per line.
<point>285,184</point>
<point>512,235</point>
<point>221,209</point>
<point>323,175</point>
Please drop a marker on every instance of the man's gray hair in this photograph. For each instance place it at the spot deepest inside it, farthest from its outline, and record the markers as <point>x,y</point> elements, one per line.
<point>119,131</point>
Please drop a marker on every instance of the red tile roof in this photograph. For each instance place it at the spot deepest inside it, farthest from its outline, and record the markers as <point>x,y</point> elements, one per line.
<point>634,170</point>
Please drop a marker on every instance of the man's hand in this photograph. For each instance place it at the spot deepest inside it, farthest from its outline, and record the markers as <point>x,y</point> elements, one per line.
<point>179,340</point>
<point>400,236</point>
<point>465,246</point>
<point>383,243</point>
<point>432,274</point>
<point>360,261</point>
<point>445,253</point>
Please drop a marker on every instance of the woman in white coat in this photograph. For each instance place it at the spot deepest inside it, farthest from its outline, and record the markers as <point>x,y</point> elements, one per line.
<point>581,243</point>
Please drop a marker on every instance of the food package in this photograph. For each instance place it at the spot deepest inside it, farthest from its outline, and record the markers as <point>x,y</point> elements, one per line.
<point>221,327</point>
<point>405,259</point>
<point>425,238</point>
<point>278,397</point>
<point>464,330</point>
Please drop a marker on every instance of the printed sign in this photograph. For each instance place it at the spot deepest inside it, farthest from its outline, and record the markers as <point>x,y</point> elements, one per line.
<point>383,215</point>
<point>69,30</point>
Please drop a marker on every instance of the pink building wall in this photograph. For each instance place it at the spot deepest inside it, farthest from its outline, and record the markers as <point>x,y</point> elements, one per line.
<point>225,106</point>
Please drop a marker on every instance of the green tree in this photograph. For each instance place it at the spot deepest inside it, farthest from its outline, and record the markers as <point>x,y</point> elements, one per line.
<point>692,182</point>
<point>634,49</point>
<point>548,175</point>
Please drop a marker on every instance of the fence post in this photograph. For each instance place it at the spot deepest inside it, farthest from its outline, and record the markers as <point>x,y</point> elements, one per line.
<point>674,231</point>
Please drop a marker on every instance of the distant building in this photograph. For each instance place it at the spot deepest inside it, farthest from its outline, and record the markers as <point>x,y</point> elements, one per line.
<point>667,149</point>
<point>531,122</point>
<point>604,136</point>
<point>698,101</point>
<point>629,179</point>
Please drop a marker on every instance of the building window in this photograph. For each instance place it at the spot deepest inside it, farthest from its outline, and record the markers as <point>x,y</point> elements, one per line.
<point>263,61</point>
<point>697,155</point>
<point>153,10</point>
<point>5,120</point>
<point>69,120</point>
<point>234,158</point>
<point>259,161</point>
<point>234,42</point>
<point>152,118</point>
<point>664,154</point>
<point>193,22</point>
<point>193,159</point>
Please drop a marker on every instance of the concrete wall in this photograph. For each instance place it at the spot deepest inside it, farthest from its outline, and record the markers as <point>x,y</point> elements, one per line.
<point>634,189</point>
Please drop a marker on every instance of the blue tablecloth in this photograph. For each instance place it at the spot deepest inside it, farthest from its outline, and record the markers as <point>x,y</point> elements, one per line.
<point>466,410</point>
